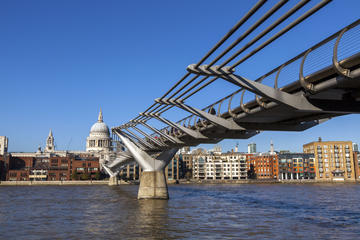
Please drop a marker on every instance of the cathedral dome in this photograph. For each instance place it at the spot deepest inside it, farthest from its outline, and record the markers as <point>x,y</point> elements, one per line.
<point>100,128</point>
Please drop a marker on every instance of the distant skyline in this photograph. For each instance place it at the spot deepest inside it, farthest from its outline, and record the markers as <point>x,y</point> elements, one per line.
<point>63,60</point>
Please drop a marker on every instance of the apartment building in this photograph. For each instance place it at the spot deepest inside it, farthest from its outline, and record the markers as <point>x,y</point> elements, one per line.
<point>334,160</point>
<point>296,166</point>
<point>266,166</point>
<point>220,166</point>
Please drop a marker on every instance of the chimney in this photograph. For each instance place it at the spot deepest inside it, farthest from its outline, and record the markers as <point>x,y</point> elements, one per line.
<point>320,139</point>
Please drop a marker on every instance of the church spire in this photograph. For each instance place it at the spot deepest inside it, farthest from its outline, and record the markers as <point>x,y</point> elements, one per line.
<point>50,147</point>
<point>100,118</point>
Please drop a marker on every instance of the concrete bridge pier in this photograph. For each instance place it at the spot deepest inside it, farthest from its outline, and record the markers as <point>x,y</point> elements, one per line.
<point>153,185</point>
<point>113,181</point>
<point>152,180</point>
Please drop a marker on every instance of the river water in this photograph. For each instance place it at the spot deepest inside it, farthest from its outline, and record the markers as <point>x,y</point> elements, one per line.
<point>246,211</point>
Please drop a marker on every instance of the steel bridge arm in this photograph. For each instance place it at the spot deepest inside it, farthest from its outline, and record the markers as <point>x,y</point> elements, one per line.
<point>297,102</point>
<point>167,136</point>
<point>228,124</point>
<point>190,132</point>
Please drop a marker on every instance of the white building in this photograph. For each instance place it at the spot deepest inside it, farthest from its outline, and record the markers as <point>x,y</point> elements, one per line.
<point>3,145</point>
<point>99,138</point>
<point>99,141</point>
<point>252,148</point>
<point>220,166</point>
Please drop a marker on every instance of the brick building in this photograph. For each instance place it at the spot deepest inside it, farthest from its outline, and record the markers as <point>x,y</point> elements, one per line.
<point>84,164</point>
<point>52,167</point>
<point>4,165</point>
<point>266,166</point>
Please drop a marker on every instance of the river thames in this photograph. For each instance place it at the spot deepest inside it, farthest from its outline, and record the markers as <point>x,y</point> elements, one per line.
<point>246,211</point>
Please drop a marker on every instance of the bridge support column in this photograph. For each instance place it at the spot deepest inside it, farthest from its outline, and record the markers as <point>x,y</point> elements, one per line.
<point>152,180</point>
<point>153,185</point>
<point>113,181</point>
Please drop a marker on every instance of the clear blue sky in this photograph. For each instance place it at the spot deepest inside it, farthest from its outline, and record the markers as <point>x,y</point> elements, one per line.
<point>60,61</point>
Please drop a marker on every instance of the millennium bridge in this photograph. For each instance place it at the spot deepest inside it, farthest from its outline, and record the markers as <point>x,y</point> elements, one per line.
<point>316,93</point>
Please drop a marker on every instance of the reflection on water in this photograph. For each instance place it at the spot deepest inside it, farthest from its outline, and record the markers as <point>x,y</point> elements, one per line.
<point>194,211</point>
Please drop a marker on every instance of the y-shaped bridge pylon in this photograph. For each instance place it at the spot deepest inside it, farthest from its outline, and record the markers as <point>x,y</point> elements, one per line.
<point>152,180</point>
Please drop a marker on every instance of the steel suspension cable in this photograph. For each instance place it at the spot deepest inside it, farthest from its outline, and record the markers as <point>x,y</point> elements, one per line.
<point>250,30</point>
<point>285,16</point>
<point>283,31</point>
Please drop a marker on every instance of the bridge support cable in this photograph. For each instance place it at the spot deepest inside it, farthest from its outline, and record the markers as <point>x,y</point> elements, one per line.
<point>120,159</point>
<point>228,124</point>
<point>139,144</point>
<point>254,27</point>
<point>252,11</point>
<point>162,134</point>
<point>141,140</point>
<point>285,16</point>
<point>190,132</point>
<point>310,12</point>
<point>256,7</point>
<point>154,140</point>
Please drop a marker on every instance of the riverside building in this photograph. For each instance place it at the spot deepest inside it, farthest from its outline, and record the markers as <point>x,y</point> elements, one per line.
<point>219,166</point>
<point>266,166</point>
<point>296,166</point>
<point>52,168</point>
<point>334,160</point>
<point>3,145</point>
<point>357,164</point>
<point>252,148</point>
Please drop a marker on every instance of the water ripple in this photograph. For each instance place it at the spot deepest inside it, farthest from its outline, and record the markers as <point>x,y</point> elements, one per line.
<point>261,211</point>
